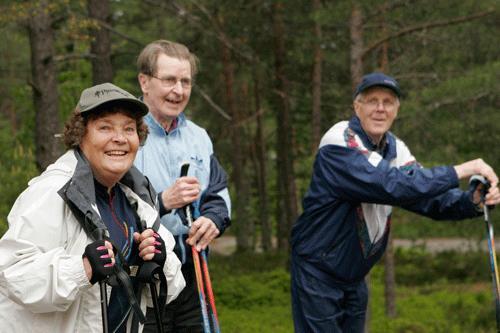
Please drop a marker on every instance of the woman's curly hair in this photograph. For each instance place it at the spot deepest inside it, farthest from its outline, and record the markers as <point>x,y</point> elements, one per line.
<point>76,126</point>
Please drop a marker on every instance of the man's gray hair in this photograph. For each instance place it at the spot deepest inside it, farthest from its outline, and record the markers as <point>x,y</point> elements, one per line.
<point>147,60</point>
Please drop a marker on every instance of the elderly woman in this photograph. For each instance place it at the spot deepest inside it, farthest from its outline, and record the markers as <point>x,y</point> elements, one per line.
<point>52,254</point>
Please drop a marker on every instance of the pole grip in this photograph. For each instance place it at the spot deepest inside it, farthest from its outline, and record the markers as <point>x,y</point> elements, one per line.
<point>99,234</point>
<point>187,209</point>
<point>184,169</point>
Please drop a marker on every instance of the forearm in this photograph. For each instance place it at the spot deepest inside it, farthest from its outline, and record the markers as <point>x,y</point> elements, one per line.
<point>348,175</point>
<point>452,205</point>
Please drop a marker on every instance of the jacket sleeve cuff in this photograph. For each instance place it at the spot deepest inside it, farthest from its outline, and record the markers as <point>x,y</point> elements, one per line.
<point>453,174</point>
<point>163,210</point>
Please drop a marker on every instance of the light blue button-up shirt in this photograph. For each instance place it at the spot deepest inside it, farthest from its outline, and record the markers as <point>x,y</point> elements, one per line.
<point>162,156</point>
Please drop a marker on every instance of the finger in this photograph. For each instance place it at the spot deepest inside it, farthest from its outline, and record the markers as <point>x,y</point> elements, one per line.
<point>192,240</point>
<point>194,229</point>
<point>191,192</point>
<point>188,180</point>
<point>150,241</point>
<point>491,176</point>
<point>148,251</point>
<point>492,199</point>
<point>137,237</point>
<point>211,231</point>
<point>207,238</point>
<point>147,233</point>
<point>108,245</point>
<point>493,196</point>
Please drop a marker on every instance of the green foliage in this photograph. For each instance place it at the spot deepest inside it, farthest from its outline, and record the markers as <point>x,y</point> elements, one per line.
<point>252,293</point>
<point>444,309</point>
<point>448,292</point>
<point>416,267</point>
<point>445,292</point>
<point>16,168</point>
<point>412,226</point>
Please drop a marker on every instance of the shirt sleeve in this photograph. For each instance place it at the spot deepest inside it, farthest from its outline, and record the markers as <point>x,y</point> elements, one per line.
<point>451,205</point>
<point>215,202</point>
<point>350,176</point>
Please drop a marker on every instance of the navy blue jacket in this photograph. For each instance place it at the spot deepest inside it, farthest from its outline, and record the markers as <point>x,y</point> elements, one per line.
<point>345,224</point>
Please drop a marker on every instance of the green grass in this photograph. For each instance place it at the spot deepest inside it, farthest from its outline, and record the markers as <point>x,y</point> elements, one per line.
<point>448,293</point>
<point>412,226</point>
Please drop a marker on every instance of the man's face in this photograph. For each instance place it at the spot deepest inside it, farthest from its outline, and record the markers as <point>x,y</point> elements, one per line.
<point>110,144</point>
<point>167,92</point>
<point>376,109</point>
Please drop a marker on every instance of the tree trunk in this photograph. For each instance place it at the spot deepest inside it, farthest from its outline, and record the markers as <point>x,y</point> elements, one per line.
<point>285,149</point>
<point>390,280</point>
<point>356,31</point>
<point>100,47</point>
<point>389,262</point>
<point>243,228</point>
<point>266,232</point>
<point>384,52</point>
<point>316,79</point>
<point>44,85</point>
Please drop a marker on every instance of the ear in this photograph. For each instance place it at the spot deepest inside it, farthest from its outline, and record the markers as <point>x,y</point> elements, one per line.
<point>356,107</point>
<point>144,82</point>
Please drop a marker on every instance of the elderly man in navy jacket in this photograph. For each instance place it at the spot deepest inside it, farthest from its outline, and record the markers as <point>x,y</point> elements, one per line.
<point>362,170</point>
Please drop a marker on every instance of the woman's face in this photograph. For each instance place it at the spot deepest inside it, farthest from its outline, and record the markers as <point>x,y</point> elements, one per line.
<point>110,145</point>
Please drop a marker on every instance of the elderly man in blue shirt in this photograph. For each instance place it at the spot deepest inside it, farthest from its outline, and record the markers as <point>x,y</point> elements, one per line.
<point>166,74</point>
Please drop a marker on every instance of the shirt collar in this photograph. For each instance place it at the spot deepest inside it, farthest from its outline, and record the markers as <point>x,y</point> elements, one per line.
<point>156,128</point>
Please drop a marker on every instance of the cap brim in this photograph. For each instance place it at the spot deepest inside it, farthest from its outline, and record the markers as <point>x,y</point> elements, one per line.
<point>388,86</point>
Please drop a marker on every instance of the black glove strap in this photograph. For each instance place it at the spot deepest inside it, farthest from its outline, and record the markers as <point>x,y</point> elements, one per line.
<point>150,272</point>
<point>123,279</point>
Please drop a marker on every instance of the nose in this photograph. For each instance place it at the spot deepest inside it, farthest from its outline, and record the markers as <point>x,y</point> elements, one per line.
<point>178,87</point>
<point>119,137</point>
<point>383,107</point>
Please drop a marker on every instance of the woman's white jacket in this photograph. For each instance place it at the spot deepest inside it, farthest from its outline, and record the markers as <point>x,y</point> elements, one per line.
<point>43,285</point>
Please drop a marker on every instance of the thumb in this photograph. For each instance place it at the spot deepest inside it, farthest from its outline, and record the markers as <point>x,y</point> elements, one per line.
<point>137,237</point>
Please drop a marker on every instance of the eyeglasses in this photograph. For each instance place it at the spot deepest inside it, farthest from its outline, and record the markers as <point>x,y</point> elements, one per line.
<point>171,81</point>
<point>373,103</point>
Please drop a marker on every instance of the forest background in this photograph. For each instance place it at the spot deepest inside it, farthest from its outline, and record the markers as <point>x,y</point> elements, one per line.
<point>274,76</point>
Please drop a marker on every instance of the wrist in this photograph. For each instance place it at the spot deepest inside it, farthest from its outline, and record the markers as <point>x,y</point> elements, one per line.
<point>163,208</point>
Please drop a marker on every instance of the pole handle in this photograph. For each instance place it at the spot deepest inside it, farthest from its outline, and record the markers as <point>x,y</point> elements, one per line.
<point>187,210</point>
<point>184,169</point>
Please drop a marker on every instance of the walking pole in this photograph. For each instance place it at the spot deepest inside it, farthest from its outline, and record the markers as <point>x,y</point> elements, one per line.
<point>156,307</point>
<point>196,261</point>
<point>210,294</point>
<point>493,264</point>
<point>99,235</point>
<point>475,180</point>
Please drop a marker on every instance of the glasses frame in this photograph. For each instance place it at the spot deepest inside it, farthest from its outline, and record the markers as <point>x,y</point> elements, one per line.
<point>167,82</point>
<point>374,103</point>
